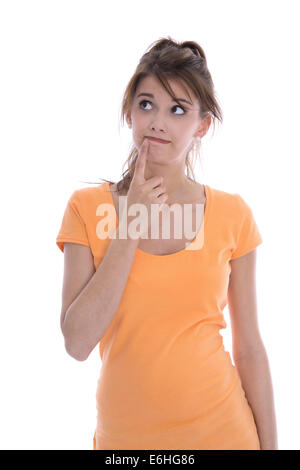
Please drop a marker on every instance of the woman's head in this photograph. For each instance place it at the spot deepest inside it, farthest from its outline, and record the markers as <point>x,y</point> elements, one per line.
<point>154,113</point>
<point>168,71</point>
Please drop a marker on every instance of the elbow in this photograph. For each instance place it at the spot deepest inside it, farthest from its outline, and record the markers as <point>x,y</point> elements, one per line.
<point>75,352</point>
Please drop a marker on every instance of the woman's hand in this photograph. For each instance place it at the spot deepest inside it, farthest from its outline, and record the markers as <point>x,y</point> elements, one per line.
<point>145,192</point>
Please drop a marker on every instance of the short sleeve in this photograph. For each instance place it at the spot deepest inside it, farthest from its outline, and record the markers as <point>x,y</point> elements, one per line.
<point>248,235</point>
<point>73,228</point>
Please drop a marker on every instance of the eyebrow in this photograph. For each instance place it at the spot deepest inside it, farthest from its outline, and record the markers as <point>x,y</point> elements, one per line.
<point>152,96</point>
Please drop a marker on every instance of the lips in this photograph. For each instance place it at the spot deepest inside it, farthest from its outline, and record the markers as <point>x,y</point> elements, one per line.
<point>155,139</point>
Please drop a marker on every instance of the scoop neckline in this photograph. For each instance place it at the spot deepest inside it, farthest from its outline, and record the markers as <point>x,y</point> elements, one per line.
<point>140,252</point>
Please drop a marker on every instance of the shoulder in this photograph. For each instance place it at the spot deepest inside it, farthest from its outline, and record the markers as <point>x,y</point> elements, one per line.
<point>88,193</point>
<point>85,200</point>
<point>227,203</point>
<point>224,196</point>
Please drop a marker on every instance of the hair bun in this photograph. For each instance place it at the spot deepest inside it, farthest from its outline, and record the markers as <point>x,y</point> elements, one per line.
<point>195,48</point>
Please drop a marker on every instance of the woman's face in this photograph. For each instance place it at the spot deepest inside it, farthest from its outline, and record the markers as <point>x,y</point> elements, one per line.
<point>160,116</point>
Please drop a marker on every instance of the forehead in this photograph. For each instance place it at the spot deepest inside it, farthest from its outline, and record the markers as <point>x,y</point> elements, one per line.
<point>152,85</point>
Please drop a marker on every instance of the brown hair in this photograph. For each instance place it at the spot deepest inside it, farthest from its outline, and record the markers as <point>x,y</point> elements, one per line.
<point>168,59</point>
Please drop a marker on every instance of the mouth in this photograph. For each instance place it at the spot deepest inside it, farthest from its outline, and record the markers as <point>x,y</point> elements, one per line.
<point>160,141</point>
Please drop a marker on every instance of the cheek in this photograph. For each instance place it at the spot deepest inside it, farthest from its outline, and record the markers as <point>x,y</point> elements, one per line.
<point>139,122</point>
<point>183,133</point>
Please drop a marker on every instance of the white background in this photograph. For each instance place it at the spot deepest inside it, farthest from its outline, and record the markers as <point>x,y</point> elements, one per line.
<point>64,68</point>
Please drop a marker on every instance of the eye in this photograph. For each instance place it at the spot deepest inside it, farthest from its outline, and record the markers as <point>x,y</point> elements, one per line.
<point>176,106</point>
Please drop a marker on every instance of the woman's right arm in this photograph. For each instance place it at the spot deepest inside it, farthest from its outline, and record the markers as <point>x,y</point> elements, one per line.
<point>86,320</point>
<point>89,316</point>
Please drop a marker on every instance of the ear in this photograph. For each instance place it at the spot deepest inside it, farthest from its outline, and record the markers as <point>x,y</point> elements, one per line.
<point>204,126</point>
<point>128,119</point>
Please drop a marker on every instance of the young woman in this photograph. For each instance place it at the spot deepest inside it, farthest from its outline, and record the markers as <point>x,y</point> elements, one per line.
<point>154,303</point>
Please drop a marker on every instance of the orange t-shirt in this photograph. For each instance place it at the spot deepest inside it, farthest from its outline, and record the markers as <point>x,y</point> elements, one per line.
<point>166,381</point>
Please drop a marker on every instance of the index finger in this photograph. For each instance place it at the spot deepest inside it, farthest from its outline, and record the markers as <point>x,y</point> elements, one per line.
<point>139,171</point>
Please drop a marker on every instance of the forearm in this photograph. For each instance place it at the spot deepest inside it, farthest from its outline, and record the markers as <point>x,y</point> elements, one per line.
<point>92,312</point>
<point>255,375</point>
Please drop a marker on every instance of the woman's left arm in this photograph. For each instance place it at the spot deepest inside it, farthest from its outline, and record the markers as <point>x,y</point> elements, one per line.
<point>255,375</point>
<point>249,353</point>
